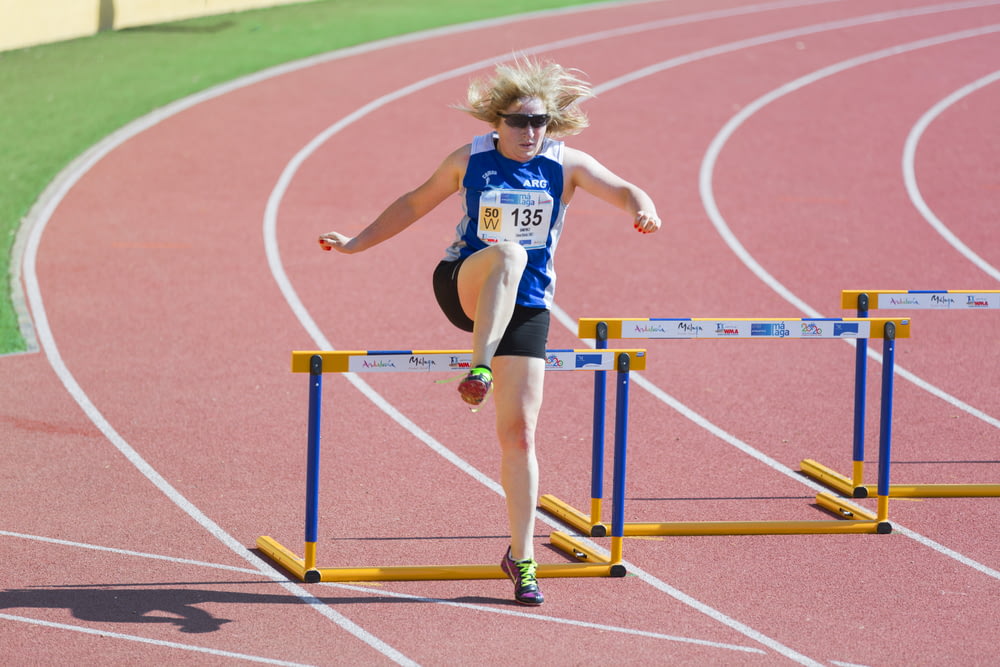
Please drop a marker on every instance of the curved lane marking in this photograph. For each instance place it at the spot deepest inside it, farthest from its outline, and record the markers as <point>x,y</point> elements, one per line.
<point>712,209</point>
<point>910,175</point>
<point>381,593</point>
<point>26,252</point>
<point>40,215</point>
<point>274,260</point>
<point>33,227</point>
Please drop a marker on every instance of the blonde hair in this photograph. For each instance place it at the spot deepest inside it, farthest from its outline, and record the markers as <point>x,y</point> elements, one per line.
<point>561,90</point>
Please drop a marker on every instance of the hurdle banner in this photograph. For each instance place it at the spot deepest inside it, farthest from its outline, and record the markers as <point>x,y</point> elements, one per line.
<point>864,301</point>
<point>589,562</point>
<point>850,518</point>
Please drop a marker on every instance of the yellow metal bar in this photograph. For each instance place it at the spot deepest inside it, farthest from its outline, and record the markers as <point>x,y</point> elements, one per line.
<point>854,488</point>
<point>587,327</point>
<point>806,527</point>
<point>616,549</point>
<point>827,476</point>
<point>883,508</point>
<point>282,556</point>
<point>595,567</point>
<point>456,572</point>
<point>310,556</point>
<point>939,490</point>
<point>858,478</point>
<point>858,520</point>
<point>595,510</point>
<point>842,508</point>
<point>575,548</point>
<point>571,516</point>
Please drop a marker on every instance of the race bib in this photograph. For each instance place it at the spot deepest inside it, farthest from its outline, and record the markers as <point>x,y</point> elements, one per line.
<point>520,216</point>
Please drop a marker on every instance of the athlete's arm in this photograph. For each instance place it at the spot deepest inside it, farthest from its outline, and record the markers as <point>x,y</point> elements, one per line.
<point>446,180</point>
<point>585,172</point>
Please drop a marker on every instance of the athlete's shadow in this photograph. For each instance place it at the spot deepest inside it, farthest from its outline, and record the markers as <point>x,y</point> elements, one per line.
<point>151,603</point>
<point>128,605</point>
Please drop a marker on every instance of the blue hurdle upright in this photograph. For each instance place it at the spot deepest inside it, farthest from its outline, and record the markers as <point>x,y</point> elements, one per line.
<point>864,301</point>
<point>850,518</point>
<point>589,562</point>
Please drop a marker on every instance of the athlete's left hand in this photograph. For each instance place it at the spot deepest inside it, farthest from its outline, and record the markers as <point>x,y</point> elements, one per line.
<point>646,223</point>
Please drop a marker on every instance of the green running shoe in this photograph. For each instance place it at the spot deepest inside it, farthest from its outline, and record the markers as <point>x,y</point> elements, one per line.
<point>522,573</point>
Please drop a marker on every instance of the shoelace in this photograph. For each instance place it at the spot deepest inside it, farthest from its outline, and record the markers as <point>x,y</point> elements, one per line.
<point>527,570</point>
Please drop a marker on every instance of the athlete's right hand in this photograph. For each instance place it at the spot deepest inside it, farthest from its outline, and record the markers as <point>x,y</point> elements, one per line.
<point>335,241</point>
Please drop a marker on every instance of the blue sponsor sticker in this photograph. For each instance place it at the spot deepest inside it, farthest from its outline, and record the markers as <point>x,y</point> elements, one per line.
<point>769,329</point>
<point>846,329</point>
<point>517,199</point>
<point>584,360</point>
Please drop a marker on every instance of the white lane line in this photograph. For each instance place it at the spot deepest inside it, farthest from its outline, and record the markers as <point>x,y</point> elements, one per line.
<point>94,415</point>
<point>49,201</point>
<point>722,227</point>
<point>374,593</point>
<point>910,175</point>
<point>309,324</point>
<point>712,209</point>
<point>145,640</point>
<point>274,260</point>
<point>33,227</point>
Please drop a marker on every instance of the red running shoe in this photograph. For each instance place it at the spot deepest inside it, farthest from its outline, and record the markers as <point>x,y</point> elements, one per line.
<point>476,386</point>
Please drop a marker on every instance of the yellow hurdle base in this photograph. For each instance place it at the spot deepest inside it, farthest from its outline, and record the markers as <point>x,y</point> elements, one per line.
<point>847,487</point>
<point>594,566</point>
<point>853,520</point>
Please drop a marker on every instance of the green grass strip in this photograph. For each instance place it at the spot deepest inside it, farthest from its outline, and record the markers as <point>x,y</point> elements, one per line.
<point>58,100</point>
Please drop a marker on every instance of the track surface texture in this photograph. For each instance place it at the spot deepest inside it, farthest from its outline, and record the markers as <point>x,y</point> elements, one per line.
<point>171,271</point>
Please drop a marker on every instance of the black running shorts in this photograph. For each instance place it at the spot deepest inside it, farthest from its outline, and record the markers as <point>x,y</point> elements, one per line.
<point>526,335</point>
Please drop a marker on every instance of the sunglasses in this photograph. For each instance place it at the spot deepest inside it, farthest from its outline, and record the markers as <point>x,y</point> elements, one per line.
<point>523,120</point>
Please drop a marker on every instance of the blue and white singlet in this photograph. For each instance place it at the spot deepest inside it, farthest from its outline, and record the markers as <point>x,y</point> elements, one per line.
<point>507,200</point>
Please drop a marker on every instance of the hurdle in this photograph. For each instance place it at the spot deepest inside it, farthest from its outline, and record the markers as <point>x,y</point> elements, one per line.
<point>864,301</point>
<point>315,363</point>
<point>849,518</point>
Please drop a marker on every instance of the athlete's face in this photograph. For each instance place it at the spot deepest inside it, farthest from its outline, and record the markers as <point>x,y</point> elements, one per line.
<point>522,143</point>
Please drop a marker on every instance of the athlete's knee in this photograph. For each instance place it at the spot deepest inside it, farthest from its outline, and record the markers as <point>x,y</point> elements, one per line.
<point>510,256</point>
<point>516,437</point>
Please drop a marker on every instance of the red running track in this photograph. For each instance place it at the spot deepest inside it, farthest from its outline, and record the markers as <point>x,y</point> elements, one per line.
<point>158,431</point>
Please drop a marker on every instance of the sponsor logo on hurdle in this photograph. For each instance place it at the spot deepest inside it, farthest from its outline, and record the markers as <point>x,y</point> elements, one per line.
<point>377,363</point>
<point>421,363</point>
<point>649,330</point>
<point>974,301</point>
<point>811,330</point>
<point>588,360</point>
<point>942,301</point>
<point>554,361</point>
<point>846,330</point>
<point>770,329</point>
<point>661,329</point>
<point>459,363</point>
<point>901,302</point>
<point>689,329</point>
<point>726,329</point>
